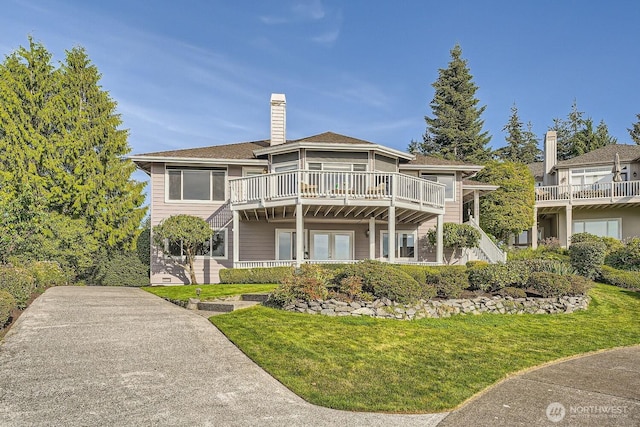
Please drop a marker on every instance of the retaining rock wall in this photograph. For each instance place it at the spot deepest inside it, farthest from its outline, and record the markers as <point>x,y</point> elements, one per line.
<point>384,308</point>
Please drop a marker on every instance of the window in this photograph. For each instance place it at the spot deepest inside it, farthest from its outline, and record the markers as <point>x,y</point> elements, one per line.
<point>196,184</point>
<point>587,176</point>
<point>286,244</point>
<point>214,247</point>
<point>599,227</point>
<point>332,245</point>
<point>448,180</point>
<point>405,245</point>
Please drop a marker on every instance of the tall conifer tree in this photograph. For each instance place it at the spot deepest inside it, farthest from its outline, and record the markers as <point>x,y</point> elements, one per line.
<point>455,129</point>
<point>522,145</point>
<point>634,130</point>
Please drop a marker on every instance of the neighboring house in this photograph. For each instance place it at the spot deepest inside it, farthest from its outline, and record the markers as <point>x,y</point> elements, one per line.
<point>326,198</point>
<point>597,192</point>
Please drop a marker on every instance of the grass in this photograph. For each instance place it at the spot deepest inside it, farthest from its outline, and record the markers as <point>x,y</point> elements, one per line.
<point>367,364</point>
<point>208,292</point>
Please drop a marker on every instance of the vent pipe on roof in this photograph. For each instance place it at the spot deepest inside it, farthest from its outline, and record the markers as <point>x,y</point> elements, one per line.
<point>278,119</point>
<point>550,156</point>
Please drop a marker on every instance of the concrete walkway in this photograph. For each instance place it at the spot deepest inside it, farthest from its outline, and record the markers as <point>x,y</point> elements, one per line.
<point>597,390</point>
<point>94,356</point>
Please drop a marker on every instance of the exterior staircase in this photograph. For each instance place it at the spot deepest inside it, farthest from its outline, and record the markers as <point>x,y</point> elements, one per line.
<point>486,250</point>
<point>221,217</point>
<point>227,305</point>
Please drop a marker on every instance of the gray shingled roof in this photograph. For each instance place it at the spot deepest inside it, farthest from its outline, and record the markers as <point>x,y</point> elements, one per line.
<point>241,150</point>
<point>605,154</point>
<point>537,169</point>
<point>330,137</point>
<point>437,161</point>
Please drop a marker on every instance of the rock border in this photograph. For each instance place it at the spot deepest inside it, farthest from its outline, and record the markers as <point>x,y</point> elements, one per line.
<point>387,309</point>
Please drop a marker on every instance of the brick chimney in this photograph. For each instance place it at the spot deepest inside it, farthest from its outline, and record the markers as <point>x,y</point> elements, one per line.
<point>278,119</point>
<point>550,156</point>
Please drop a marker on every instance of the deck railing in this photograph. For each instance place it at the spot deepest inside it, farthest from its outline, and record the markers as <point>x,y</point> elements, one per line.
<point>292,263</point>
<point>330,184</point>
<point>602,190</point>
<point>487,250</point>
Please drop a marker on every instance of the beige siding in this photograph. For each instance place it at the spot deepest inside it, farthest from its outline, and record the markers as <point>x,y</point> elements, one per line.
<point>630,218</point>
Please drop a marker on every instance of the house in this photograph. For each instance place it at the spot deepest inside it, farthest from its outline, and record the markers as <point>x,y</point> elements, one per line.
<point>326,198</point>
<point>597,192</point>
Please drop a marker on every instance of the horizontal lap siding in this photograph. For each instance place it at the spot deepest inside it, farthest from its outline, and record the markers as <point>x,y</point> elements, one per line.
<point>163,269</point>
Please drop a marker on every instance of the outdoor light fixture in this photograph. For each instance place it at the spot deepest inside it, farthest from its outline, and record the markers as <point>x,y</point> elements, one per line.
<point>198,290</point>
<point>367,233</point>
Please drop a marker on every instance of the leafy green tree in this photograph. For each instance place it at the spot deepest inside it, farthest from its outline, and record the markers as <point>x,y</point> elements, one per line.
<point>185,231</point>
<point>508,210</point>
<point>455,129</point>
<point>20,222</point>
<point>634,130</point>
<point>456,237</point>
<point>522,145</point>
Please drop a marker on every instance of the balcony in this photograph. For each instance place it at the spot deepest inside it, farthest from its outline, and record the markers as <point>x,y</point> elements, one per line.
<point>335,190</point>
<point>598,193</point>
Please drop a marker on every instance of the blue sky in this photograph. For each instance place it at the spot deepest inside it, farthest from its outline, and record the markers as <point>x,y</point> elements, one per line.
<point>200,72</point>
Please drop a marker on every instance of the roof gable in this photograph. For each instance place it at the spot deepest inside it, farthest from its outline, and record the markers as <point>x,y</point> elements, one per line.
<point>606,154</point>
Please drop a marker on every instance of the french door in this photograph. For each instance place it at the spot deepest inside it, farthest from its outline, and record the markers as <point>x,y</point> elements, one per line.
<point>331,245</point>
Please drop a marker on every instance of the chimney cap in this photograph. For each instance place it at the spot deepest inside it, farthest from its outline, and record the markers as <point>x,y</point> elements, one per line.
<point>278,97</point>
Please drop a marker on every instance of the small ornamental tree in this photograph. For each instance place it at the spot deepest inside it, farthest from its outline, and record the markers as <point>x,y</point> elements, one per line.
<point>457,237</point>
<point>185,231</point>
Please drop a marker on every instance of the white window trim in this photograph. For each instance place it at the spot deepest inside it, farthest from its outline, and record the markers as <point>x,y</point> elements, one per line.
<point>295,163</point>
<point>619,220</point>
<point>455,183</point>
<point>350,165</point>
<point>197,202</point>
<point>166,255</point>
<point>291,230</point>
<point>312,233</point>
<point>247,169</point>
<point>415,244</point>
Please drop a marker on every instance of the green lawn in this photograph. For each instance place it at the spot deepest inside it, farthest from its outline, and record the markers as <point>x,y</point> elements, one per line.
<point>208,292</point>
<point>366,364</point>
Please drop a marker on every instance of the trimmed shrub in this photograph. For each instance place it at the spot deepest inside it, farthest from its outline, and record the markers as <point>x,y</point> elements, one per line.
<point>493,277</point>
<point>18,282</point>
<point>47,274</point>
<point>547,265</point>
<point>418,272</point>
<point>309,283</point>
<point>476,263</point>
<point>7,305</point>
<point>255,275</point>
<point>351,286</point>
<point>512,292</point>
<point>627,256</point>
<point>119,269</point>
<point>383,281</point>
<point>587,257</point>
<point>578,285</point>
<point>549,284</point>
<point>428,291</point>
<point>620,278</point>
<point>585,237</point>
<point>449,281</point>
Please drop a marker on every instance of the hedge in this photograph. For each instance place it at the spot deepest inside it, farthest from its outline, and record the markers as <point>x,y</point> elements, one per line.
<point>449,280</point>
<point>621,278</point>
<point>587,257</point>
<point>493,277</point>
<point>255,275</point>
<point>7,304</point>
<point>19,282</point>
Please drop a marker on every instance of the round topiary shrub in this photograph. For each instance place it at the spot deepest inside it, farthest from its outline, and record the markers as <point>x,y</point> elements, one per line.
<point>512,292</point>
<point>449,281</point>
<point>493,277</point>
<point>383,281</point>
<point>549,284</point>
<point>7,304</point>
<point>578,285</point>
<point>19,282</point>
<point>587,257</point>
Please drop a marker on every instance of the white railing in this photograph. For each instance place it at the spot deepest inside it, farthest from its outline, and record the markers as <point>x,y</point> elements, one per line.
<point>603,190</point>
<point>487,250</point>
<point>328,184</point>
<point>288,263</point>
<point>259,264</point>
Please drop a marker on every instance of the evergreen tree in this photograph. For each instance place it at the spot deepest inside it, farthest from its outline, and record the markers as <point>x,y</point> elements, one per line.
<point>576,135</point>
<point>522,145</point>
<point>455,130</point>
<point>634,131</point>
<point>61,142</point>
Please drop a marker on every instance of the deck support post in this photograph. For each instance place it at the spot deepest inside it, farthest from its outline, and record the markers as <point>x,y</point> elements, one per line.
<point>476,206</point>
<point>568,225</point>
<point>236,237</point>
<point>299,235</point>
<point>534,229</point>
<point>372,237</point>
<point>439,238</point>
<point>392,234</point>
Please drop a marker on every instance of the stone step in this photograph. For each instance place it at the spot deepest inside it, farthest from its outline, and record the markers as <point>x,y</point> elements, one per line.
<point>254,297</point>
<point>225,306</point>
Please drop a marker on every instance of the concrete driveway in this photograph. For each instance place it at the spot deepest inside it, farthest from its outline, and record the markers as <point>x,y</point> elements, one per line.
<point>95,356</point>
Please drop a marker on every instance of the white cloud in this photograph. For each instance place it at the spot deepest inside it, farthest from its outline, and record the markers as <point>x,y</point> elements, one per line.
<point>309,10</point>
<point>327,38</point>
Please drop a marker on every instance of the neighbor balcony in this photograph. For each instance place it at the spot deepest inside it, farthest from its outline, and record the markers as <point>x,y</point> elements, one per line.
<point>585,194</point>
